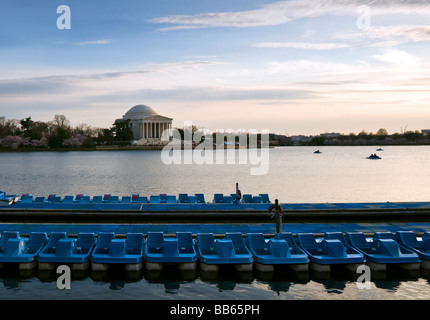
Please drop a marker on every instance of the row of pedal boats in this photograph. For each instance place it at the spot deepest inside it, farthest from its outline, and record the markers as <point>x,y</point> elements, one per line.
<point>182,198</point>
<point>208,252</point>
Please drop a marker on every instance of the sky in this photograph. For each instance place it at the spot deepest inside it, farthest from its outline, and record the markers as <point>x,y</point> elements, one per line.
<point>292,67</point>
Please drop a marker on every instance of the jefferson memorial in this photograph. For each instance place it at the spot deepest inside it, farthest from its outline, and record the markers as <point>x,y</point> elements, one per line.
<point>148,127</point>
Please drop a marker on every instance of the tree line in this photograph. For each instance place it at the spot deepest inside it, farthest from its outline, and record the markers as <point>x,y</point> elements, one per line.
<point>59,134</point>
<point>27,134</point>
<point>381,137</point>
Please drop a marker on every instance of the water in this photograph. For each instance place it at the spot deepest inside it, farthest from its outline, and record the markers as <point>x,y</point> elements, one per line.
<point>296,175</point>
<point>339,174</point>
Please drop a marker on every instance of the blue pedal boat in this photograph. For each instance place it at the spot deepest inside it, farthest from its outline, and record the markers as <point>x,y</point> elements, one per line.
<point>218,198</point>
<point>327,252</point>
<point>247,198</point>
<point>27,198</point>
<point>281,250</point>
<point>200,197</point>
<point>21,250</point>
<point>420,246</point>
<point>382,249</point>
<point>68,199</point>
<point>111,250</point>
<point>265,197</point>
<point>160,250</point>
<point>136,198</point>
<point>231,250</point>
<point>183,198</point>
<point>61,249</point>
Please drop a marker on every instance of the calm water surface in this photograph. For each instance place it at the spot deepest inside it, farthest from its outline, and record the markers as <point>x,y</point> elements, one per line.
<point>296,175</point>
<point>339,174</point>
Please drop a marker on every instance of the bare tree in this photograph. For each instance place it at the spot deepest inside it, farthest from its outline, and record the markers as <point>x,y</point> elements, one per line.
<point>61,121</point>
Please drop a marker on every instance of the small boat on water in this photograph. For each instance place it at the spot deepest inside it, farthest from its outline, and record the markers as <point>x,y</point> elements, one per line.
<point>379,149</point>
<point>374,157</point>
<point>317,151</point>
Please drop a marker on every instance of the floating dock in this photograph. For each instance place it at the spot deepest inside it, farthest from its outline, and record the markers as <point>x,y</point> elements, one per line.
<point>187,230</point>
<point>184,208</point>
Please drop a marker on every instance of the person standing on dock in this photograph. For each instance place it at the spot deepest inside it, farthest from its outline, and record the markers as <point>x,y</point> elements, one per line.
<point>238,194</point>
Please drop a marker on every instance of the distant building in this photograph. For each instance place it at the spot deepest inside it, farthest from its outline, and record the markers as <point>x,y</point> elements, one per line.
<point>147,125</point>
<point>425,131</point>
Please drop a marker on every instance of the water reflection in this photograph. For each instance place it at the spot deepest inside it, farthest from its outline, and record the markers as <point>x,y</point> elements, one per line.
<point>280,286</point>
<point>116,276</point>
<point>225,275</point>
<point>171,278</point>
<point>392,279</point>
<point>335,281</point>
<point>282,278</point>
<point>13,283</point>
<point>338,279</point>
<point>248,285</point>
<point>13,278</point>
<point>298,277</point>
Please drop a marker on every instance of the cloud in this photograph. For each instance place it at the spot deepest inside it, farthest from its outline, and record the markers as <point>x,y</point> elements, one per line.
<point>95,42</point>
<point>285,11</point>
<point>398,58</point>
<point>20,88</point>
<point>213,93</point>
<point>81,89</point>
<point>302,45</point>
<point>314,67</point>
<point>387,36</point>
<point>143,69</point>
<point>413,33</point>
<point>174,28</point>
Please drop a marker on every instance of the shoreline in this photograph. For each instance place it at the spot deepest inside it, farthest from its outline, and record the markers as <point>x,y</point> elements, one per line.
<point>160,147</point>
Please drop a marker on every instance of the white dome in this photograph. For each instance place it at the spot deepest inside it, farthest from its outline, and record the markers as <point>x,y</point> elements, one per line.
<point>140,112</point>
